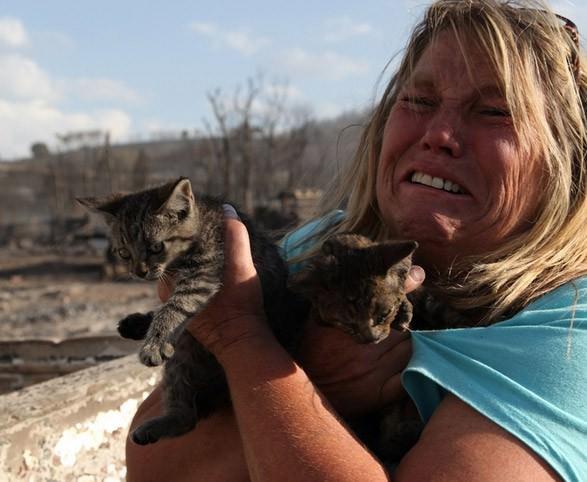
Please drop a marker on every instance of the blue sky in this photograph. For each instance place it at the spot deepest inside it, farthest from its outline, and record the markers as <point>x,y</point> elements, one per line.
<point>139,69</point>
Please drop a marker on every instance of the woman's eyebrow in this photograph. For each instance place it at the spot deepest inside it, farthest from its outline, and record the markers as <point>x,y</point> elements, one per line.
<point>419,81</point>
<point>487,91</point>
<point>491,91</point>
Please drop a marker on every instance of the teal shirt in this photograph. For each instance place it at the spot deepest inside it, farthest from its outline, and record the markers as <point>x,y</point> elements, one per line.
<point>528,373</point>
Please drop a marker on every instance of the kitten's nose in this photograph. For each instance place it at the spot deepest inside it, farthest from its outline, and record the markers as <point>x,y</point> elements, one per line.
<point>141,270</point>
<point>373,333</point>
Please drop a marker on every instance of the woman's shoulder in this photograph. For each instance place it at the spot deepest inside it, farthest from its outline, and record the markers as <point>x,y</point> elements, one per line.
<point>527,374</point>
<point>303,238</point>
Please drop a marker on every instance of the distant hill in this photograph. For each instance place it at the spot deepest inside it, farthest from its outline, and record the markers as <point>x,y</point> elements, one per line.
<point>44,186</point>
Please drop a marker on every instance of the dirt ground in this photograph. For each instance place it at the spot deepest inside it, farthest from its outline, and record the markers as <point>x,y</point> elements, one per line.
<point>56,296</point>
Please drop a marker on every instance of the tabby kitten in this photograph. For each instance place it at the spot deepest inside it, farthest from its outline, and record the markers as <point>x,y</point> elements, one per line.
<point>357,285</point>
<point>167,231</point>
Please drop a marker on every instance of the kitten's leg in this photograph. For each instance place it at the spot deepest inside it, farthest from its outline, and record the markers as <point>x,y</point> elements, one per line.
<point>180,415</point>
<point>135,326</point>
<point>188,298</point>
<point>194,387</point>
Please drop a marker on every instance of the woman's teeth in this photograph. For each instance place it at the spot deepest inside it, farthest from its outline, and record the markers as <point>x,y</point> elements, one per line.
<point>436,182</point>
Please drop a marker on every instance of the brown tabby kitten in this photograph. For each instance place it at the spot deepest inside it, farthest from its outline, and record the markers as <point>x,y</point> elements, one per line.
<point>166,231</point>
<point>357,285</point>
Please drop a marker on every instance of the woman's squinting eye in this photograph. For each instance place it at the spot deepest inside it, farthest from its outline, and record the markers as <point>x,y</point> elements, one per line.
<point>124,253</point>
<point>495,112</point>
<point>156,248</point>
<point>417,100</point>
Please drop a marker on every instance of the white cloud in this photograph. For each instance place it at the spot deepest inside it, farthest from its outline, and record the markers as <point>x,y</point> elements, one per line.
<point>21,78</point>
<point>26,122</point>
<point>239,40</point>
<point>12,32</point>
<point>342,28</point>
<point>327,65</point>
<point>30,100</point>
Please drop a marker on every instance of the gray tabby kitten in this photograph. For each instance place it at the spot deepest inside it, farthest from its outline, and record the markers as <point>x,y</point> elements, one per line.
<point>166,231</point>
<point>357,285</point>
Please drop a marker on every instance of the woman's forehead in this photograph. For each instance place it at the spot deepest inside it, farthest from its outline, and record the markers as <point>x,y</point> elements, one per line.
<point>446,61</point>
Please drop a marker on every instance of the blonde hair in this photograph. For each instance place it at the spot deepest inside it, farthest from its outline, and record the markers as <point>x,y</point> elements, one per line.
<point>544,82</point>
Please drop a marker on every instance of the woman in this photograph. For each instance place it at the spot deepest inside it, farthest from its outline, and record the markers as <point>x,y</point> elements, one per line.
<point>477,151</point>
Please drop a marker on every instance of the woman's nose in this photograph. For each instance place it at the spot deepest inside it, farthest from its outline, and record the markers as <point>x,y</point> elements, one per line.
<point>443,134</point>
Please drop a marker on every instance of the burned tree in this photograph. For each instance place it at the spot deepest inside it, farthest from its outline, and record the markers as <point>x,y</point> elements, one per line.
<point>255,136</point>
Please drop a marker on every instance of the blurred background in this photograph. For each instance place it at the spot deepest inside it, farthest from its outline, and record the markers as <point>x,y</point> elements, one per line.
<point>260,102</point>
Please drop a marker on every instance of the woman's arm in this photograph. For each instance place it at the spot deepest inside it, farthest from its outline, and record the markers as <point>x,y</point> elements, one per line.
<point>288,430</point>
<point>461,444</point>
<point>212,452</point>
<point>458,444</point>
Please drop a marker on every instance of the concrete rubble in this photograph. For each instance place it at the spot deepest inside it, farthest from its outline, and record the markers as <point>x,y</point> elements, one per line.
<point>73,428</point>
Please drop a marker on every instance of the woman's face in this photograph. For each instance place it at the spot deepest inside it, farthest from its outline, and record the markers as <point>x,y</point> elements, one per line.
<point>450,173</point>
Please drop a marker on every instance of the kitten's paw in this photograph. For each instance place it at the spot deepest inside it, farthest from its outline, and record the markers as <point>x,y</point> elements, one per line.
<point>135,326</point>
<point>169,425</point>
<point>154,355</point>
<point>144,436</point>
<point>167,350</point>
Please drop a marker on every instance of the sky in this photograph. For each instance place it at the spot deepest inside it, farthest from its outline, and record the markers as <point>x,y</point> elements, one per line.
<point>142,70</point>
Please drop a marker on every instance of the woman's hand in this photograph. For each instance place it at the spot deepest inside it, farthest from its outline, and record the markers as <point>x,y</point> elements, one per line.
<point>236,312</point>
<point>358,378</point>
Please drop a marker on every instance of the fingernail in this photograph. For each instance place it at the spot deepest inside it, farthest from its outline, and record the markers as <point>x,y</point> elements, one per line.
<point>230,212</point>
<point>417,273</point>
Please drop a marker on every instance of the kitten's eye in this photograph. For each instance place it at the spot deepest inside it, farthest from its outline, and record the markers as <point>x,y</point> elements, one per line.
<point>156,248</point>
<point>382,317</point>
<point>124,253</point>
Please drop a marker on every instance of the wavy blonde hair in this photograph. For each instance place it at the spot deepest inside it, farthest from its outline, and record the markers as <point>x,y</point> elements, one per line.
<point>544,81</point>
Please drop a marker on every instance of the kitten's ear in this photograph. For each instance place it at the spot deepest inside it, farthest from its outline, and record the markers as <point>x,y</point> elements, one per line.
<point>333,247</point>
<point>176,196</point>
<point>393,252</point>
<point>327,247</point>
<point>106,206</point>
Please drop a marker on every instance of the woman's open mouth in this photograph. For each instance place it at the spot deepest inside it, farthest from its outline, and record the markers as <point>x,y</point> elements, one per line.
<point>439,183</point>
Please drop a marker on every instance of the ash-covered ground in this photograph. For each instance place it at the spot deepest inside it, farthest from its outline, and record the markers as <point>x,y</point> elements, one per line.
<point>56,296</point>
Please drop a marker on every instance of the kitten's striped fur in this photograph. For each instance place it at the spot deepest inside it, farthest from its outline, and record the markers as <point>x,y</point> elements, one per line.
<point>167,231</point>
